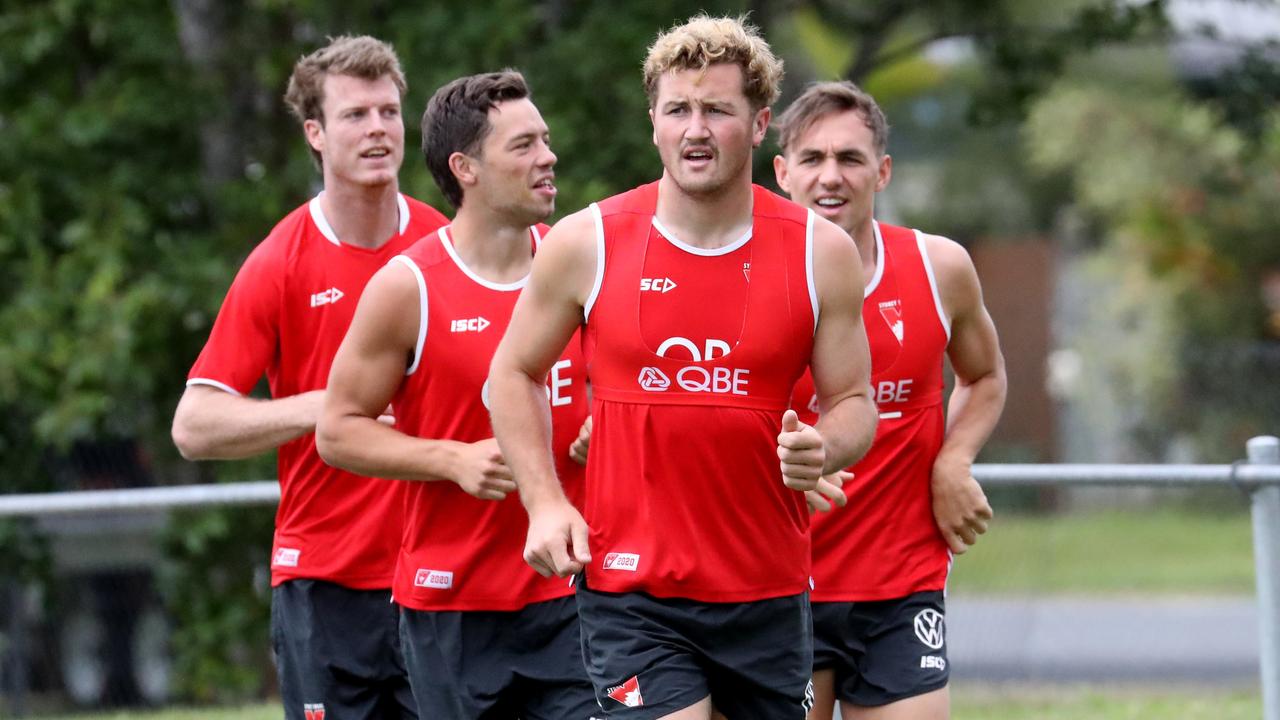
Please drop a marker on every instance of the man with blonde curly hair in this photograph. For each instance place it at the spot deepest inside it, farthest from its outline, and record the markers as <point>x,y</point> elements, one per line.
<point>702,299</point>
<point>333,627</point>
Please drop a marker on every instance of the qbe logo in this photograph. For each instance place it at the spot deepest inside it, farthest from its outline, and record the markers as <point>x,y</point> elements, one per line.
<point>622,561</point>
<point>475,324</point>
<point>929,628</point>
<point>434,579</point>
<point>653,379</point>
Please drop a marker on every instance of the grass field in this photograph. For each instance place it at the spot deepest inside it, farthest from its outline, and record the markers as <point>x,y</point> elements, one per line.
<point>970,702</point>
<point>1112,552</point>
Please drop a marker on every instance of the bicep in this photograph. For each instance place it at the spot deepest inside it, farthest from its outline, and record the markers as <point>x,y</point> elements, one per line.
<point>373,357</point>
<point>841,362</point>
<point>551,305</point>
<point>974,346</point>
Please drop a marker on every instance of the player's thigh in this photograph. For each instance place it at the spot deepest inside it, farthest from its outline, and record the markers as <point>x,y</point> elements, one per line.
<point>935,705</point>
<point>824,695</point>
<point>700,710</point>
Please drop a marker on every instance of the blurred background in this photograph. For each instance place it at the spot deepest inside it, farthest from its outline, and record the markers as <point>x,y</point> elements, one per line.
<point>1113,166</point>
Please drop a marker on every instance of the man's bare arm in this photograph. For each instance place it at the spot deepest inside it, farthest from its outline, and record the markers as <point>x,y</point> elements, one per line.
<point>960,507</point>
<point>549,310</point>
<point>213,424</point>
<point>841,363</point>
<point>366,373</point>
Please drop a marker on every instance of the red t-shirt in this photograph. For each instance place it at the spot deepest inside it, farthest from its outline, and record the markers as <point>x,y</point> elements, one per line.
<point>885,544</point>
<point>692,356</point>
<point>460,552</point>
<point>285,315</point>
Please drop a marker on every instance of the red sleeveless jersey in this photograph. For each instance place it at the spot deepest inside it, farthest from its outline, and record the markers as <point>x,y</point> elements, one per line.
<point>692,355</point>
<point>885,544</point>
<point>285,315</point>
<point>459,552</point>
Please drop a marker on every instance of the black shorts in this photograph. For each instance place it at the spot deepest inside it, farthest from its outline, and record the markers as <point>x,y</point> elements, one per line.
<point>338,653</point>
<point>481,665</point>
<point>885,650</point>
<point>650,657</point>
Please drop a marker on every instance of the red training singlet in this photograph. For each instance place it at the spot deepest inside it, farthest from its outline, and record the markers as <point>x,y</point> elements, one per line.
<point>885,544</point>
<point>692,355</point>
<point>285,314</point>
<point>460,552</point>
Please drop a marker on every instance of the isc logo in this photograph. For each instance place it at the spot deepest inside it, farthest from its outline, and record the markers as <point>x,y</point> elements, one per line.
<point>326,297</point>
<point>475,324</point>
<point>622,561</point>
<point>436,579</point>
<point>934,662</point>
<point>658,285</point>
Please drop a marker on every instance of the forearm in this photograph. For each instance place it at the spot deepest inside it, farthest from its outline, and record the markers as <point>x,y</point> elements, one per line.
<point>522,425</point>
<point>365,446</point>
<point>211,424</point>
<point>847,429</point>
<point>972,414</point>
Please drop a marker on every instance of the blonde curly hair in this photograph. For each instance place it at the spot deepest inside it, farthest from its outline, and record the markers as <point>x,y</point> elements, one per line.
<point>703,41</point>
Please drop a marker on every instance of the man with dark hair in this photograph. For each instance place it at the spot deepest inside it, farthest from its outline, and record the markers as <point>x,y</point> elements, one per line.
<point>880,564</point>
<point>332,626</point>
<point>703,299</point>
<point>484,635</point>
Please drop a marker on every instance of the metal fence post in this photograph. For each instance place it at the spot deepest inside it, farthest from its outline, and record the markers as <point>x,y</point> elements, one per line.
<point>1265,450</point>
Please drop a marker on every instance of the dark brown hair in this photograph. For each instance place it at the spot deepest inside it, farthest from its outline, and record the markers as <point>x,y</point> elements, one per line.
<point>457,120</point>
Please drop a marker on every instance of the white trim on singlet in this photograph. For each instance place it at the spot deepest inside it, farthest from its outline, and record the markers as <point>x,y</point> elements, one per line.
<point>403,206</point>
<point>595,286</point>
<point>933,284</point>
<point>537,236</point>
<point>808,266</point>
<point>214,383</point>
<point>453,253</point>
<point>422,310</point>
<point>322,222</point>
<point>705,252</point>
<point>879,272</point>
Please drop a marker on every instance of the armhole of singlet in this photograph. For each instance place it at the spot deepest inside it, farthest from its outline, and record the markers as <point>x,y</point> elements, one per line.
<point>808,266</point>
<point>933,284</point>
<point>595,286</point>
<point>422,311</point>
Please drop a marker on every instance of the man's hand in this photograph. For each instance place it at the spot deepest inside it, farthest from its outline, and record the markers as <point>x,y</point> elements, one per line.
<point>801,450</point>
<point>829,493</point>
<point>960,508</point>
<point>578,450</point>
<point>557,540</point>
<point>481,471</point>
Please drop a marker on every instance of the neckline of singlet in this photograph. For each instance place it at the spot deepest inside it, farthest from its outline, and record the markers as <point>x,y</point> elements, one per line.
<point>705,252</point>
<point>457,260</point>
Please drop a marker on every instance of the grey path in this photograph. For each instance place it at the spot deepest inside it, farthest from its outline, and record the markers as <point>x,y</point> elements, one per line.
<point>1213,640</point>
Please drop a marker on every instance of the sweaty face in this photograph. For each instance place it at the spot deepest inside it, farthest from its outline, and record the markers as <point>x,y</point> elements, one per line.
<point>704,128</point>
<point>515,173</point>
<point>833,168</point>
<point>361,140</point>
